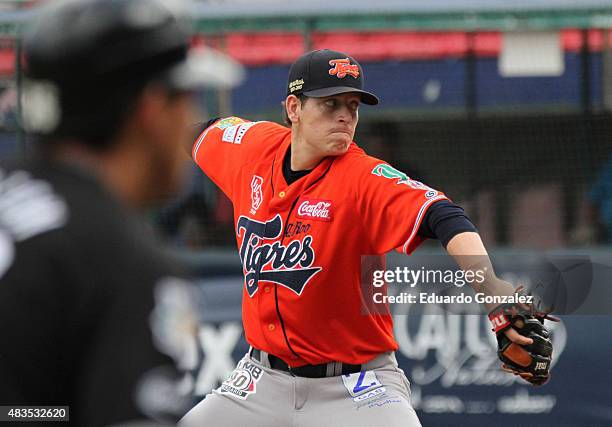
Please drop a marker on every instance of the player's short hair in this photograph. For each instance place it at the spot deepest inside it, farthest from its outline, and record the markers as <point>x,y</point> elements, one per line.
<point>303,98</point>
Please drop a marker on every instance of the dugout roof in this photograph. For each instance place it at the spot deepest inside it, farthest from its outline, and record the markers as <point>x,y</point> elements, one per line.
<point>431,15</point>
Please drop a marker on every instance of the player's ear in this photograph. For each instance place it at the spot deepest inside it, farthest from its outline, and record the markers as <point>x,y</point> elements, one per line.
<point>292,108</point>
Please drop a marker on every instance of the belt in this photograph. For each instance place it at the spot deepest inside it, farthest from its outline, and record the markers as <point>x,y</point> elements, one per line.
<point>331,369</point>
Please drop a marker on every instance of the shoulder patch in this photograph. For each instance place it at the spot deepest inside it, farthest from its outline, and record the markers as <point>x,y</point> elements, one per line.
<point>228,122</point>
<point>387,171</point>
<point>234,134</point>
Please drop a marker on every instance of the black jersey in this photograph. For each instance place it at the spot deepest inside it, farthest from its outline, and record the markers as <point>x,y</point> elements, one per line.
<point>79,280</point>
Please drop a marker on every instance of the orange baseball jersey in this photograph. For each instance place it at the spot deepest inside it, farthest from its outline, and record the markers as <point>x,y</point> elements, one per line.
<point>301,244</point>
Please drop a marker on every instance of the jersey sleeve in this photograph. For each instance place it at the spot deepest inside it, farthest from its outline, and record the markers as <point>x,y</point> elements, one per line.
<point>222,148</point>
<point>391,207</point>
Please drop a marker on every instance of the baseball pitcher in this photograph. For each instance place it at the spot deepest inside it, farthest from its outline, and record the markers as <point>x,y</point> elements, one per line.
<point>308,203</point>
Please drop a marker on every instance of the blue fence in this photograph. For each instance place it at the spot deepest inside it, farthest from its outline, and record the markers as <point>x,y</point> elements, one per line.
<point>439,84</point>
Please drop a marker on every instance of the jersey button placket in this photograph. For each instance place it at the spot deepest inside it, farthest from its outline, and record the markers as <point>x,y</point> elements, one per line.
<point>271,327</point>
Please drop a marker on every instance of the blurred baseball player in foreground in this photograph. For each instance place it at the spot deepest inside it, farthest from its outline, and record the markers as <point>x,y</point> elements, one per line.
<point>308,203</point>
<point>109,87</point>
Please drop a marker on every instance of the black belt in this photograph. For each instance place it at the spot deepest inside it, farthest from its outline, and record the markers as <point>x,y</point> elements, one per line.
<point>308,371</point>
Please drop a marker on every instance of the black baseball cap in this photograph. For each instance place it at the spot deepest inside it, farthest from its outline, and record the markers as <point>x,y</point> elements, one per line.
<point>324,72</point>
<point>86,49</point>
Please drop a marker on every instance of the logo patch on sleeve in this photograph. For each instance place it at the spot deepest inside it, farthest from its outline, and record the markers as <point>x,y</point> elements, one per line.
<point>387,171</point>
<point>315,209</point>
<point>228,122</point>
<point>234,134</point>
<point>243,380</point>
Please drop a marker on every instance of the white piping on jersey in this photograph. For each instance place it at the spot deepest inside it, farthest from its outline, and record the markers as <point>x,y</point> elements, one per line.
<point>246,126</point>
<point>199,142</point>
<point>419,218</point>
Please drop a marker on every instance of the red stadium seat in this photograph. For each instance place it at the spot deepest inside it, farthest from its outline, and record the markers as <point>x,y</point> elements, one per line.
<point>265,48</point>
<point>7,62</point>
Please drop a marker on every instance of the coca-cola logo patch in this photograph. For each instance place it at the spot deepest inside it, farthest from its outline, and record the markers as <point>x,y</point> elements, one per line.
<point>314,209</point>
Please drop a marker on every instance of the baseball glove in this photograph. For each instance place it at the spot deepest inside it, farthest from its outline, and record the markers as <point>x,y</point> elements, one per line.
<point>530,362</point>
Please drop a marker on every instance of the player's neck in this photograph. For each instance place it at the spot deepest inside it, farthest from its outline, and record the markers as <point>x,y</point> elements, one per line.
<point>117,170</point>
<point>303,156</point>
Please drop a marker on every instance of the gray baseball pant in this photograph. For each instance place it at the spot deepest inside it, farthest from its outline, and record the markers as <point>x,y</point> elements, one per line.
<point>257,396</point>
